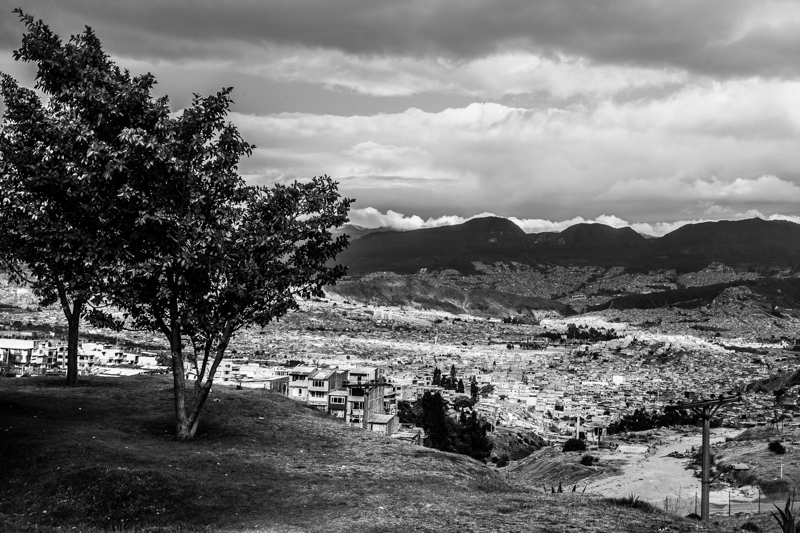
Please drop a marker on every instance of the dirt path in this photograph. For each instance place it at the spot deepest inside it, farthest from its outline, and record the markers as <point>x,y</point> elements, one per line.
<point>654,477</point>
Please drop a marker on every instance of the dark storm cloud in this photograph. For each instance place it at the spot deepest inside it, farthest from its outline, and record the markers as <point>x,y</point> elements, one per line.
<point>705,36</point>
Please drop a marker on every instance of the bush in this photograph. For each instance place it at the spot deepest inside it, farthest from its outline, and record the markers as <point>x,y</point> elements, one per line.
<point>634,502</point>
<point>574,445</point>
<point>587,460</point>
<point>749,526</point>
<point>776,447</point>
<point>503,460</point>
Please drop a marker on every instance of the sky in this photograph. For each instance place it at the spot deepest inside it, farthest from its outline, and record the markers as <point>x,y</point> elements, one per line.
<point>641,113</point>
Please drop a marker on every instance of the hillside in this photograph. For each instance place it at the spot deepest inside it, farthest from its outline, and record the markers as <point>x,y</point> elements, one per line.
<point>764,294</point>
<point>100,457</point>
<point>427,294</point>
<point>753,242</point>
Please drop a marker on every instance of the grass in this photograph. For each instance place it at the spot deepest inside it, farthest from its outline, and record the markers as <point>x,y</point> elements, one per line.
<point>101,457</point>
<point>777,475</point>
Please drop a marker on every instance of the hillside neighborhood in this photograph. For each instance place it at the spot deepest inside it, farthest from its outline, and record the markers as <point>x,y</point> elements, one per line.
<point>557,378</point>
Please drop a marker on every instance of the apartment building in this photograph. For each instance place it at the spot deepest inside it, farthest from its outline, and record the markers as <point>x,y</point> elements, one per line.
<point>320,383</point>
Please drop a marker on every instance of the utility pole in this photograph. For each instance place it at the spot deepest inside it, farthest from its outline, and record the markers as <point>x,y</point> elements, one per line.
<point>366,388</point>
<point>707,409</point>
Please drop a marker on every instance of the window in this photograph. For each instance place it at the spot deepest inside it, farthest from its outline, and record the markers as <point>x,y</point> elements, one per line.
<point>337,399</point>
<point>317,394</point>
<point>358,405</point>
<point>319,383</point>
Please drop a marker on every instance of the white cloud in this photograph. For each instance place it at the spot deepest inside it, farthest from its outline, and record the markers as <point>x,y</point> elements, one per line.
<point>492,76</point>
<point>762,188</point>
<point>705,146</point>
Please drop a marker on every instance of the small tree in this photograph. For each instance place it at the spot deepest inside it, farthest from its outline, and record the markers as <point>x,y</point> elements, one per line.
<point>776,447</point>
<point>574,445</point>
<point>434,422</point>
<point>461,403</point>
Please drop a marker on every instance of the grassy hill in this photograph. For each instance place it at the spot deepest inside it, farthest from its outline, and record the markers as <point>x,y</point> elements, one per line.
<point>100,457</point>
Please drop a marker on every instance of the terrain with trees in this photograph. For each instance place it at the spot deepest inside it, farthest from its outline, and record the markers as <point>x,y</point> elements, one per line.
<point>112,202</point>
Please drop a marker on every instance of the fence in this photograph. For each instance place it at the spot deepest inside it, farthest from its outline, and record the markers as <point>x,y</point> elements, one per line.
<point>683,505</point>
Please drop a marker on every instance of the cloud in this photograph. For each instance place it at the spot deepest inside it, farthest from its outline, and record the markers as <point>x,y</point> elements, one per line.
<point>745,38</point>
<point>493,76</point>
<point>481,47</point>
<point>760,189</point>
<point>638,158</point>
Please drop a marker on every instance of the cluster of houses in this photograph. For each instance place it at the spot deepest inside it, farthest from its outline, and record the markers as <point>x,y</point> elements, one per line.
<point>36,356</point>
<point>361,396</point>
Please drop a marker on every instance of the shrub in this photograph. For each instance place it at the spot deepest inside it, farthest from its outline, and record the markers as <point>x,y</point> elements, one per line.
<point>574,445</point>
<point>634,502</point>
<point>502,460</point>
<point>749,526</point>
<point>786,518</point>
<point>587,460</point>
<point>776,447</point>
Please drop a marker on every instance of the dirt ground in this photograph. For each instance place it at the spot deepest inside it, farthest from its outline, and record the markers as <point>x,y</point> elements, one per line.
<point>662,480</point>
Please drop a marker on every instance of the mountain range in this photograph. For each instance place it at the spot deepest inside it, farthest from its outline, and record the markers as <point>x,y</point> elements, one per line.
<point>753,243</point>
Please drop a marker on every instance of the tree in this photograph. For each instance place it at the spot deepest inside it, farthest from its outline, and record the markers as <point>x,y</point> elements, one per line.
<point>460,386</point>
<point>408,413</point>
<point>437,376</point>
<point>474,390</point>
<point>574,445</point>
<point>461,403</point>
<point>471,438</point>
<point>453,373</point>
<point>434,422</point>
<point>211,255</point>
<point>63,165</point>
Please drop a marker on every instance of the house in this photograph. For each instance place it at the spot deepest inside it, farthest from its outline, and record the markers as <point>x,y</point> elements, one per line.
<point>409,433</point>
<point>298,384</point>
<point>365,373</point>
<point>365,395</point>
<point>321,382</point>
<point>279,384</point>
<point>102,354</point>
<point>25,353</point>
<point>337,402</point>
<point>386,425</point>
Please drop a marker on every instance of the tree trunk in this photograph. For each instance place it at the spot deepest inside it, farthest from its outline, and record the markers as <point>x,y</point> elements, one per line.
<point>72,350</point>
<point>73,315</point>
<point>182,426</point>
<point>188,426</point>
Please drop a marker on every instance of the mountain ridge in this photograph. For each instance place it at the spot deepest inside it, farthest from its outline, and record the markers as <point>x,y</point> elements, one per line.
<point>494,239</point>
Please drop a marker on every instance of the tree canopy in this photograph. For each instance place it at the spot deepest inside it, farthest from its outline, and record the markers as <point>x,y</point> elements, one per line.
<point>62,164</point>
